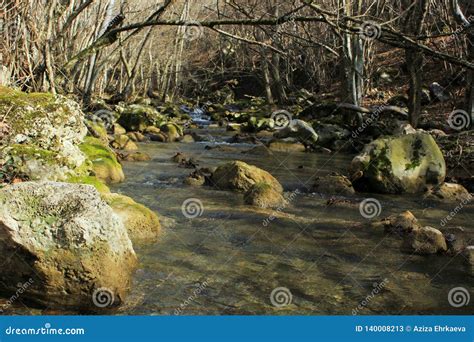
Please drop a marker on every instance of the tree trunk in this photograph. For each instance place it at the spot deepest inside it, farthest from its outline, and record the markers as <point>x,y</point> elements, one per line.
<point>414,59</point>
<point>414,63</point>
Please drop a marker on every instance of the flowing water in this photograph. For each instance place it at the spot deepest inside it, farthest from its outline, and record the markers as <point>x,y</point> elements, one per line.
<point>231,258</point>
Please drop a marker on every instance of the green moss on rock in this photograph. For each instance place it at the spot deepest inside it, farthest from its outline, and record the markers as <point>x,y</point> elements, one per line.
<point>105,164</point>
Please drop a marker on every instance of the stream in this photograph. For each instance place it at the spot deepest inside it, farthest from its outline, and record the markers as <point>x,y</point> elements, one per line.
<point>229,259</point>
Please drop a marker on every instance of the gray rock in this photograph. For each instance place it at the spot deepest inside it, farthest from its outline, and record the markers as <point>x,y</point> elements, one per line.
<point>67,240</point>
<point>300,130</point>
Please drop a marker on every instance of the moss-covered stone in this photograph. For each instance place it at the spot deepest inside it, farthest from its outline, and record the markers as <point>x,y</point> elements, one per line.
<point>90,180</point>
<point>104,162</point>
<point>141,223</point>
<point>404,164</point>
<point>241,176</point>
<point>139,117</point>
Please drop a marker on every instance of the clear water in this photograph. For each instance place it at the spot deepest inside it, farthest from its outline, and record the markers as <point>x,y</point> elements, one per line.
<point>227,261</point>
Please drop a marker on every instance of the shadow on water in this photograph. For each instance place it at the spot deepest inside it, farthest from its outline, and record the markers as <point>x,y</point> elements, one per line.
<point>231,258</point>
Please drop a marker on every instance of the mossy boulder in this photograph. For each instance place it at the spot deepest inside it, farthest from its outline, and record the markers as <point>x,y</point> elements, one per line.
<point>90,180</point>
<point>67,241</point>
<point>141,223</point>
<point>43,135</point>
<point>138,117</point>
<point>241,176</point>
<point>172,131</point>
<point>104,162</point>
<point>263,195</point>
<point>404,164</point>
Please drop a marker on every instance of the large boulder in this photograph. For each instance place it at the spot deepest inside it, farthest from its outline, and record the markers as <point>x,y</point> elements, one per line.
<point>43,135</point>
<point>328,134</point>
<point>405,164</point>
<point>300,130</point>
<point>68,241</point>
<point>241,176</point>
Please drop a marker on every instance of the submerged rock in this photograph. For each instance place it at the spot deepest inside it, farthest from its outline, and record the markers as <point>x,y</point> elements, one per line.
<point>286,145</point>
<point>263,195</point>
<point>425,240</point>
<point>404,164</point>
<point>241,176</point>
<point>469,255</point>
<point>67,240</point>
<point>334,184</point>
<point>141,223</point>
